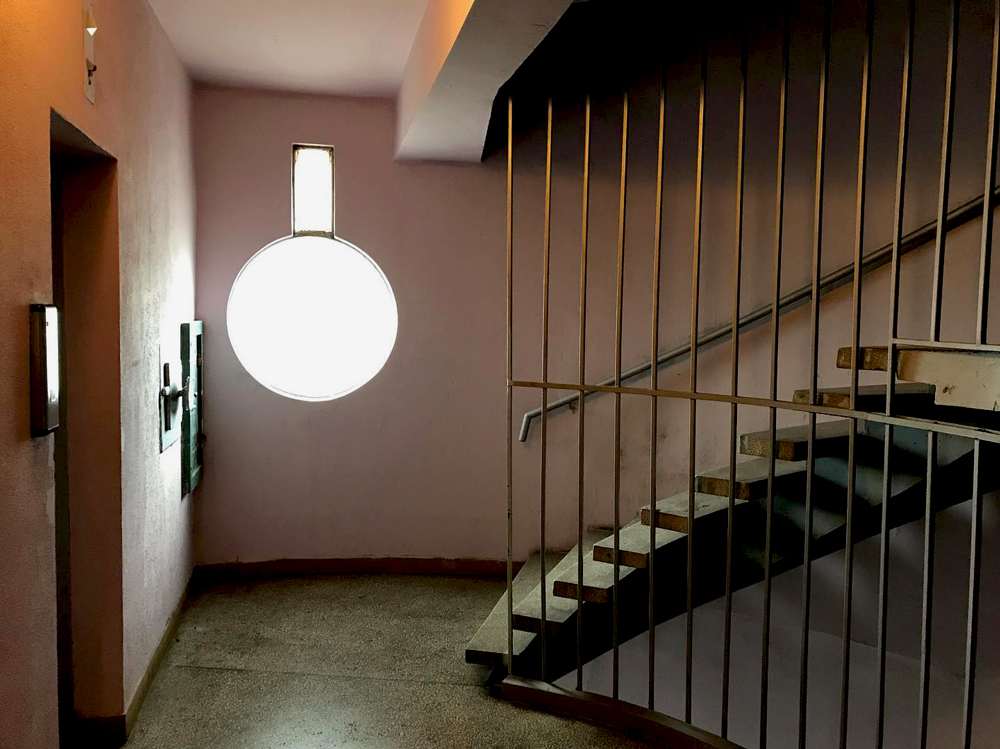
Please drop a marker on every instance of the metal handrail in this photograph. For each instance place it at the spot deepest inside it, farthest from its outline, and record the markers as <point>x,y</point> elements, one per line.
<point>882,256</point>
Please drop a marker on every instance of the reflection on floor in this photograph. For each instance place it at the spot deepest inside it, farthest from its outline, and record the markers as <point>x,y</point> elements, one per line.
<point>365,661</point>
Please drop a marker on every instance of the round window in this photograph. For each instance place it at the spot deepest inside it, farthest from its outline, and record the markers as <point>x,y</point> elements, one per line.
<point>312,317</point>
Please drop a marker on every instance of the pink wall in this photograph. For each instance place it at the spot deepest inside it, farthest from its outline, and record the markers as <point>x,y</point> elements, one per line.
<point>412,463</point>
<point>141,118</point>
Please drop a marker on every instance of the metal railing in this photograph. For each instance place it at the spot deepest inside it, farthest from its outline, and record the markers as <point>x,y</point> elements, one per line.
<point>613,710</point>
<point>832,281</point>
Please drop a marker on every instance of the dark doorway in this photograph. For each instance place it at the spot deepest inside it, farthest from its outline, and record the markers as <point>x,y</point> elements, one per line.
<point>82,181</point>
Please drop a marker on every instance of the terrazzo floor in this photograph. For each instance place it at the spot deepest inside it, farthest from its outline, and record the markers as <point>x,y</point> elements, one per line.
<point>361,661</point>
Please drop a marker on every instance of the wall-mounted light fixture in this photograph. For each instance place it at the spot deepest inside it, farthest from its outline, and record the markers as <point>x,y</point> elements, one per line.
<point>311,316</point>
<point>89,58</point>
<point>44,369</point>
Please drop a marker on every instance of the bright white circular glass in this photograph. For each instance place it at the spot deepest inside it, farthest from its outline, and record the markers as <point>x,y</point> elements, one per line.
<point>312,318</point>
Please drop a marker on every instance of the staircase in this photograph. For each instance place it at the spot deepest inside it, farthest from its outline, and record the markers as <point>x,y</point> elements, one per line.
<point>908,460</point>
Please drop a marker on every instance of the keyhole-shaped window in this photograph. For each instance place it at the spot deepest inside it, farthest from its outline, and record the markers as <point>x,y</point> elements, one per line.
<point>311,316</point>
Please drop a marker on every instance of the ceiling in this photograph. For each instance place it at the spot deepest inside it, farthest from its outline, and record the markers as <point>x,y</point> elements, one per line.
<point>347,47</point>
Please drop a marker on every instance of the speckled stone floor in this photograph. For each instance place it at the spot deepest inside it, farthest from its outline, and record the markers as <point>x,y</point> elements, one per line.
<point>361,661</point>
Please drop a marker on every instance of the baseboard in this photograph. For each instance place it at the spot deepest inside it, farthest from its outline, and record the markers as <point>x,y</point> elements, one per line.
<point>99,732</point>
<point>155,661</point>
<point>111,732</point>
<point>228,571</point>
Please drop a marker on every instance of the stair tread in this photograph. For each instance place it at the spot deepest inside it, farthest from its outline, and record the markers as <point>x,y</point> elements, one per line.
<point>672,512</point>
<point>870,397</point>
<point>598,580</point>
<point>558,611</point>
<point>751,477</point>
<point>633,545</point>
<point>489,645</point>
<point>792,442</point>
<point>961,379</point>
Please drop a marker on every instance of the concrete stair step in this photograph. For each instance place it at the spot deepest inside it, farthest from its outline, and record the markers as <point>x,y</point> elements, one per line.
<point>871,397</point>
<point>559,612</point>
<point>488,646</point>
<point>633,545</point>
<point>751,478</point>
<point>961,379</point>
<point>672,512</point>
<point>671,552</point>
<point>598,581</point>
<point>792,443</point>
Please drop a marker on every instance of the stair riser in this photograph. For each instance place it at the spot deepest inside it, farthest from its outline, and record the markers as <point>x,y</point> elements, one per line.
<point>680,524</point>
<point>720,487</point>
<point>666,521</point>
<point>591,595</point>
<point>633,559</point>
<point>747,490</point>
<point>530,624</point>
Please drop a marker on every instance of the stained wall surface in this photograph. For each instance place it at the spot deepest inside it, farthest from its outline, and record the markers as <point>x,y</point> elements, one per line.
<point>142,119</point>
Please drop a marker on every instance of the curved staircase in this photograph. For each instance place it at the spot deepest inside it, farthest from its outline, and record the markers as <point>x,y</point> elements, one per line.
<point>951,485</point>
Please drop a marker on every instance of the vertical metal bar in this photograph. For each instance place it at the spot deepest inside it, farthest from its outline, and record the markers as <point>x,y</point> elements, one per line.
<point>734,372</point>
<point>623,189</point>
<point>986,250</point>
<point>824,76</point>
<point>897,238</point>
<point>692,435</point>
<point>972,633</point>
<point>510,389</point>
<point>928,593</point>
<point>859,239</point>
<point>654,401</point>
<point>943,185</point>
<point>584,234</point>
<point>848,589</point>
<point>779,221</point>
<point>545,378</point>
<point>939,250</point>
